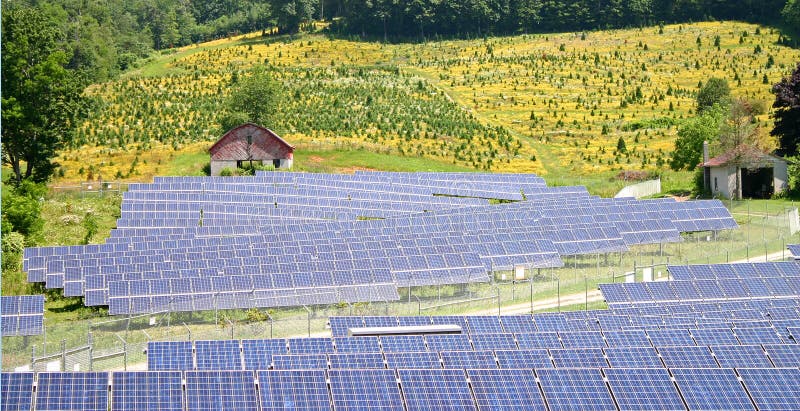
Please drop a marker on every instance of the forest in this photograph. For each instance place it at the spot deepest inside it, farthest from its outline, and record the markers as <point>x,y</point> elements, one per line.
<point>108,36</point>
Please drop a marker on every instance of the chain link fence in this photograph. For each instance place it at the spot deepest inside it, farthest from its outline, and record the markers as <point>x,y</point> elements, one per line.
<point>119,343</point>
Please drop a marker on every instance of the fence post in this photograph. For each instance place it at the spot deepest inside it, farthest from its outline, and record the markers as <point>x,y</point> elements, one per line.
<point>63,355</point>
<point>33,357</point>
<point>91,351</point>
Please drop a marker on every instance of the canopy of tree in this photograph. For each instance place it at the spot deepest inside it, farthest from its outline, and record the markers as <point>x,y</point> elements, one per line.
<point>787,113</point>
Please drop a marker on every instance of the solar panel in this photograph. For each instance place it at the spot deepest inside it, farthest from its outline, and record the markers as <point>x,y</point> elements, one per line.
<point>468,359</point>
<point>293,389</point>
<point>221,390</point>
<point>484,324</point>
<point>687,357</point>
<point>784,355</point>
<point>537,358</point>
<point>340,325</point>
<point>711,389</point>
<point>632,338</point>
<point>633,357</point>
<point>356,360</point>
<point>714,336</point>
<point>538,340</point>
<point>85,391</point>
<point>357,344</point>
<point>310,345</point>
<point>435,389</point>
<point>758,335</point>
<point>585,339</point>
<point>668,337</point>
<point>452,342</point>
<point>575,389</point>
<point>395,343</point>
<point>738,356</point>
<point>365,390</point>
<point>218,355</point>
<point>258,353</point>
<point>16,391</point>
<point>507,389</point>
<point>773,388</point>
<point>578,358</point>
<point>169,355</point>
<point>518,324</point>
<point>408,359</point>
<point>143,390</point>
<point>494,342</point>
<point>643,389</point>
<point>299,361</point>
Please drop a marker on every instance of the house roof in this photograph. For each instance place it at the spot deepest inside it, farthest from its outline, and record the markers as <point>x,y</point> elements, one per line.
<point>745,153</point>
<point>233,131</point>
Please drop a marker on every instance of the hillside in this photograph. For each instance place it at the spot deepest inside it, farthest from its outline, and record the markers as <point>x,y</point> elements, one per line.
<point>551,104</point>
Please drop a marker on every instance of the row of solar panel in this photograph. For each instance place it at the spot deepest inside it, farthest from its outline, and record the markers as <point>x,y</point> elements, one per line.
<point>21,315</point>
<point>458,353</point>
<point>256,353</point>
<point>700,290</point>
<point>410,389</point>
<point>734,271</point>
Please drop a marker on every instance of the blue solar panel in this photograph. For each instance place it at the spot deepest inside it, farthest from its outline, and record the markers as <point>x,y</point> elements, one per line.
<point>221,390</point>
<point>169,355</point>
<point>452,342</point>
<point>365,390</point>
<point>739,356</point>
<point>357,344</point>
<point>773,388</point>
<point>85,391</point>
<point>518,324</point>
<point>380,321</point>
<point>575,389</point>
<point>633,357</point>
<point>687,357</point>
<point>494,342</point>
<point>395,343</point>
<point>714,336</point>
<point>156,391</point>
<point>667,337</point>
<point>436,389</point>
<point>299,361</point>
<point>340,325</point>
<point>711,389</point>
<point>508,389</point>
<point>423,359</point>
<point>16,391</point>
<point>414,321</point>
<point>218,355</point>
<point>484,324</point>
<point>310,345</point>
<point>468,359</point>
<point>538,340</point>
<point>578,358</point>
<point>633,338</point>
<point>293,390</point>
<point>784,355</point>
<point>356,360</point>
<point>258,353</point>
<point>537,358</point>
<point>582,339</point>
<point>758,335</point>
<point>643,389</point>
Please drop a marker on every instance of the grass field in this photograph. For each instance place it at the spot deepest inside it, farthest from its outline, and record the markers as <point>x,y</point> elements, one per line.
<point>553,104</point>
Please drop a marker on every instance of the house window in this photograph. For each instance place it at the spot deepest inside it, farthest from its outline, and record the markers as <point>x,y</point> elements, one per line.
<point>276,163</point>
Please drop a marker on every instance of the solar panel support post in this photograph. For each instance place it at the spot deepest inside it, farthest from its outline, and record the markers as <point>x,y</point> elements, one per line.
<point>63,355</point>
<point>89,343</point>
<point>586,293</point>
<point>308,316</point>
<point>188,329</point>
<point>124,351</point>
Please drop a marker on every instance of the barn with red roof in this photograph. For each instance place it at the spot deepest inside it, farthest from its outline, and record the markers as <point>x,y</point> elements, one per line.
<point>248,145</point>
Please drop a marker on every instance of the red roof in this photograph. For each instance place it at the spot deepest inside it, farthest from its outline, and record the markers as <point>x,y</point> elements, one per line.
<point>743,152</point>
<point>250,142</point>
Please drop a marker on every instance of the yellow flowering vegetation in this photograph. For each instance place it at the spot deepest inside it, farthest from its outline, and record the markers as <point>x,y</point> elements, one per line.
<point>531,103</point>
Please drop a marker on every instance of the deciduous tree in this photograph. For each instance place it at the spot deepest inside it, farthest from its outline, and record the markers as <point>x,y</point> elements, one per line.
<point>42,99</point>
<point>715,91</point>
<point>787,113</point>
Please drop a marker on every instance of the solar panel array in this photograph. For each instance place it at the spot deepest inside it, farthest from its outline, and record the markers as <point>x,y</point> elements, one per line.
<point>794,249</point>
<point>287,239</point>
<point>21,315</point>
<point>721,354</point>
